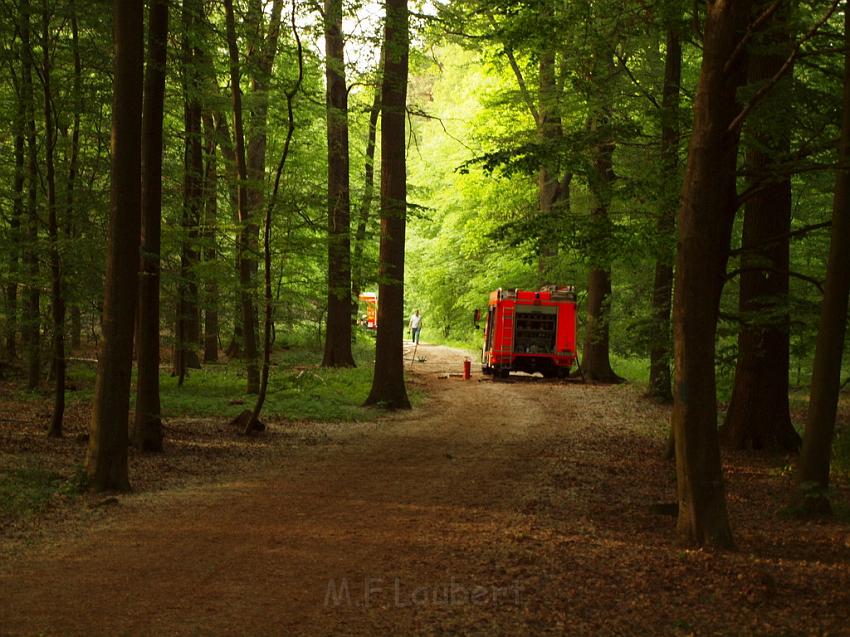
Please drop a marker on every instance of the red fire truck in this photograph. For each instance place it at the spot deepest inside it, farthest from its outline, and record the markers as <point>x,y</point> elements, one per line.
<point>530,332</point>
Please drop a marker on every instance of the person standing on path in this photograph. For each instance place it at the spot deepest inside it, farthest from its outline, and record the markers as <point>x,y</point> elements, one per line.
<point>415,326</point>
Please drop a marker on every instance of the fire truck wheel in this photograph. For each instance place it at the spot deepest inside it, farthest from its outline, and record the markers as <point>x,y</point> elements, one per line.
<point>504,373</point>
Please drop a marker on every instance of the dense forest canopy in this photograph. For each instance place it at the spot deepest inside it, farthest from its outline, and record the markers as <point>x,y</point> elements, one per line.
<point>674,161</point>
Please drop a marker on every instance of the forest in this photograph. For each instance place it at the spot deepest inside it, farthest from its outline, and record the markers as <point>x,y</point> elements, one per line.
<point>198,196</point>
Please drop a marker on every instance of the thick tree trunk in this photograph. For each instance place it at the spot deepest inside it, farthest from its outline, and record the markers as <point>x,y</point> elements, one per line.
<point>759,416</point>
<point>662,289</point>
<point>147,429</point>
<point>338,325</point>
<point>57,295</point>
<point>705,228</point>
<point>813,471</point>
<point>388,386</point>
<point>31,325</point>
<point>211,328</point>
<point>106,459</point>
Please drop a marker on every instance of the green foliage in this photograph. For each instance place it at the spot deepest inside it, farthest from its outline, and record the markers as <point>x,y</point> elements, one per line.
<point>28,490</point>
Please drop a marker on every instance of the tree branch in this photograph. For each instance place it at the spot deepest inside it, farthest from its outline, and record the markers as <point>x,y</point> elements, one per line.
<point>800,232</point>
<point>768,86</point>
<point>797,275</point>
<point>523,89</point>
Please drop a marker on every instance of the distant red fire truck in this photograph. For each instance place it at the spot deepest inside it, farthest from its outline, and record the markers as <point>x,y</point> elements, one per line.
<point>530,332</point>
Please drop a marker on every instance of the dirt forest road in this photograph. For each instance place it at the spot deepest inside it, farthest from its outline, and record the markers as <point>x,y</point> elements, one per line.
<point>498,508</point>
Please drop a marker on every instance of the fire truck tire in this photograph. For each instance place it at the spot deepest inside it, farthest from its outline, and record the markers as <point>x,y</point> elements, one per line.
<point>504,373</point>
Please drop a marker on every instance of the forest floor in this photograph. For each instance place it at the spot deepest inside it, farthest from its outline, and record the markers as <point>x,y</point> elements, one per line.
<point>496,508</point>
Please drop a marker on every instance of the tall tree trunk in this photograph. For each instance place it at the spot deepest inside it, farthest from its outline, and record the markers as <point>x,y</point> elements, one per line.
<point>211,328</point>
<point>596,359</point>
<point>56,292</point>
<point>388,386</point>
<point>662,289</point>
<point>74,161</point>
<point>106,459</point>
<point>147,426</point>
<point>338,325</point>
<point>228,153</point>
<point>759,416</point>
<point>813,471</point>
<point>550,131</point>
<point>268,322</point>
<point>188,317</point>
<point>705,228</point>
<point>15,233</point>
<point>365,212</point>
<point>32,323</point>
<point>246,262</point>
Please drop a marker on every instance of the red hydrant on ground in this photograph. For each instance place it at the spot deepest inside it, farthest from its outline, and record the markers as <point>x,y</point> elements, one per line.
<point>467,368</point>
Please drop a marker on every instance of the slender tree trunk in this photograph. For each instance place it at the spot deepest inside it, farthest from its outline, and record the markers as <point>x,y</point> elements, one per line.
<point>188,321</point>
<point>813,471</point>
<point>32,324</point>
<point>662,289</point>
<point>211,328</point>
<point>550,131</point>
<point>596,359</point>
<point>268,322</point>
<point>262,40</point>
<point>147,427</point>
<point>357,278</point>
<point>56,292</point>
<point>106,459</point>
<point>705,229</point>
<point>388,386</point>
<point>73,163</point>
<point>338,327</point>
<point>15,233</point>
<point>759,416</point>
<point>234,349</point>
<point>246,267</point>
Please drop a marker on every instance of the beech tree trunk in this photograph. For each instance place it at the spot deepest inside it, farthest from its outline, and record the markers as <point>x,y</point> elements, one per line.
<point>758,416</point>
<point>147,430</point>
<point>357,277</point>
<point>247,264</point>
<point>73,162</point>
<point>211,327</point>
<point>57,295</point>
<point>813,471</point>
<point>15,233</point>
<point>662,289</point>
<point>338,323</point>
<point>550,193</point>
<point>596,357</point>
<point>31,325</point>
<point>705,228</point>
<point>188,315</point>
<point>388,388</point>
<point>106,459</point>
